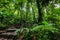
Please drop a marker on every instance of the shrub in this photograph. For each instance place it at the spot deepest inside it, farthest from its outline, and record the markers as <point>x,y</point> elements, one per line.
<point>3,26</point>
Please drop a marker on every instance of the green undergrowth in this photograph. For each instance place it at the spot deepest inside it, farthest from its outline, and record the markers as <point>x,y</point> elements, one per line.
<point>3,26</point>
<point>41,32</point>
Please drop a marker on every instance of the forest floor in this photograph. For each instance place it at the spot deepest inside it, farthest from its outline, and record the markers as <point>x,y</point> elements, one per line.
<point>7,34</point>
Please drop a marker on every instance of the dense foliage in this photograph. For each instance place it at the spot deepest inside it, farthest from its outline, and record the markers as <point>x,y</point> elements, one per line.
<point>39,19</point>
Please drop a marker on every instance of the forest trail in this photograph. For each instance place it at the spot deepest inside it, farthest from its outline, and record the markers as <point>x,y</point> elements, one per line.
<point>7,34</point>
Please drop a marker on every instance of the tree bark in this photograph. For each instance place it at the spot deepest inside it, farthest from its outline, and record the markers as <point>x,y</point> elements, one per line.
<point>39,11</point>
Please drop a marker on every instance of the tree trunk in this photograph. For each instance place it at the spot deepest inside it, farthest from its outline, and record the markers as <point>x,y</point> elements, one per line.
<point>39,11</point>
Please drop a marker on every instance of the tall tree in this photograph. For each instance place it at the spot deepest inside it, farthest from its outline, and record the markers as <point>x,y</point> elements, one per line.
<point>39,11</point>
<point>40,4</point>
